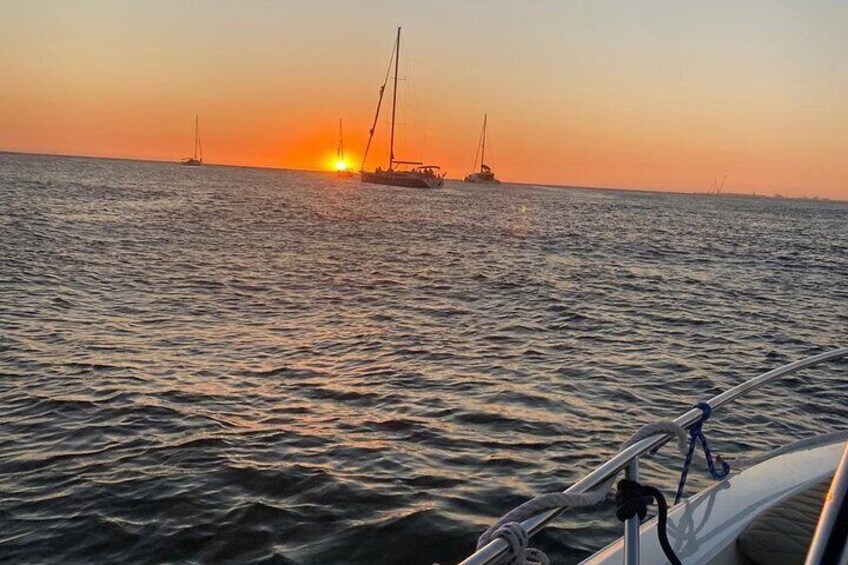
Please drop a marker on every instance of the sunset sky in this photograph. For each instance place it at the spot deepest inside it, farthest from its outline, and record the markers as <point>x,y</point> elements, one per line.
<point>648,94</point>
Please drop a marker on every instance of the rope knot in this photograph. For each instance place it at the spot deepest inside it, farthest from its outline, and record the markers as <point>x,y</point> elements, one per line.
<point>519,553</point>
<point>706,412</point>
<point>631,499</point>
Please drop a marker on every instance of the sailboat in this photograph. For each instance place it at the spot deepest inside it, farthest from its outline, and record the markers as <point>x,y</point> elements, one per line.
<point>342,169</point>
<point>419,175</point>
<point>486,175</point>
<point>197,160</point>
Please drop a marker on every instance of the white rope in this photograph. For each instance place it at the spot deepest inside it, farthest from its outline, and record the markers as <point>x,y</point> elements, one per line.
<point>519,553</point>
<point>505,527</point>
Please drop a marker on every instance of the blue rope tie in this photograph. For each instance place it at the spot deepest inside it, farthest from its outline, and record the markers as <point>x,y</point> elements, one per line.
<point>696,434</point>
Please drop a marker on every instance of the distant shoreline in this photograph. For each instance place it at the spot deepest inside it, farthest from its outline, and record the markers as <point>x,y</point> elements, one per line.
<point>541,185</point>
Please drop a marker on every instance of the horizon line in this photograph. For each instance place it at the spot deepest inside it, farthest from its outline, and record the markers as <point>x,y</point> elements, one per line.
<point>646,190</point>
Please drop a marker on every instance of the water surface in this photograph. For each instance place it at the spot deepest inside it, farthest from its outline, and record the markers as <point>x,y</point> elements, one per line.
<point>223,364</point>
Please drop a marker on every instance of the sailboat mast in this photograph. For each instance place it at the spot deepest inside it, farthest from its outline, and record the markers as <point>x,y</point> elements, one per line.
<point>483,153</point>
<point>394,102</point>
<point>340,153</point>
<point>196,134</point>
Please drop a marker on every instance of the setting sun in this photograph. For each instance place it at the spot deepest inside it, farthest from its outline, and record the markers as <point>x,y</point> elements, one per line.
<point>341,165</point>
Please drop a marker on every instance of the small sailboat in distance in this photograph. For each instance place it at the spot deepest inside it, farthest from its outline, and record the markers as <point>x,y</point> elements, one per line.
<point>486,175</point>
<point>197,160</point>
<point>342,170</point>
<point>420,175</point>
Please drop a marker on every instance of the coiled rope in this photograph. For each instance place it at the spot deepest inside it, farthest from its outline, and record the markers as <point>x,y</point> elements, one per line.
<point>519,541</point>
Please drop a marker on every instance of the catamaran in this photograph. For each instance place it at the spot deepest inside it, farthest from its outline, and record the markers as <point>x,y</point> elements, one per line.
<point>342,170</point>
<point>485,175</point>
<point>787,506</point>
<point>419,175</point>
<point>197,160</point>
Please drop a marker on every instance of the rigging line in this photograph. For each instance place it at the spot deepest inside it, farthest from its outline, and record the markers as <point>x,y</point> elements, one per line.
<point>394,102</point>
<point>483,146</point>
<point>477,154</point>
<point>415,108</point>
<point>411,114</point>
<point>407,96</point>
<point>379,103</point>
<point>489,147</point>
<point>412,109</point>
<point>198,142</point>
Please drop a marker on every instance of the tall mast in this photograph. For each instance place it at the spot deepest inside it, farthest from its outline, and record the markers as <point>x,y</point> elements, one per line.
<point>340,153</point>
<point>394,103</point>
<point>196,134</point>
<point>483,153</point>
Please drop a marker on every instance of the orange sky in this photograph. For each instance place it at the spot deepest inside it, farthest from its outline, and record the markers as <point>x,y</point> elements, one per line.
<point>659,95</point>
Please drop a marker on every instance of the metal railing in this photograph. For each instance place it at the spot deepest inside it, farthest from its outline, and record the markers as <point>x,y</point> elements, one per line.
<point>830,542</point>
<point>497,548</point>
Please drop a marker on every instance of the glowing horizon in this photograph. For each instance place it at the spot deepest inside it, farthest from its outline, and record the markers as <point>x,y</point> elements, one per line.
<point>609,94</point>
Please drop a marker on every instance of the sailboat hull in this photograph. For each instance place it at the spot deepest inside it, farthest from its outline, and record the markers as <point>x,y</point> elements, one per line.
<point>191,162</point>
<point>406,179</point>
<point>482,178</point>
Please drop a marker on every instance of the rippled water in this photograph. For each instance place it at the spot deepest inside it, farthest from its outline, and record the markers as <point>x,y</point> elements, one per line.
<point>225,364</point>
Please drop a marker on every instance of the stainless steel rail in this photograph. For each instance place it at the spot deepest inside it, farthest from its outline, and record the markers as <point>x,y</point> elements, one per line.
<point>496,548</point>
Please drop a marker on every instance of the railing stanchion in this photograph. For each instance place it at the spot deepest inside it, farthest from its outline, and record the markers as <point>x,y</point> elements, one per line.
<point>631,526</point>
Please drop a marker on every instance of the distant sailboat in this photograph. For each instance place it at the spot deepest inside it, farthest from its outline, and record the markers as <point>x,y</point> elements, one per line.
<point>486,175</point>
<point>716,188</point>
<point>420,175</point>
<point>342,169</point>
<point>197,160</point>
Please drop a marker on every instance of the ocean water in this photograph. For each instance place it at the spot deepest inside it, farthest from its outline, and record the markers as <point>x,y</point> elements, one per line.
<point>263,366</point>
